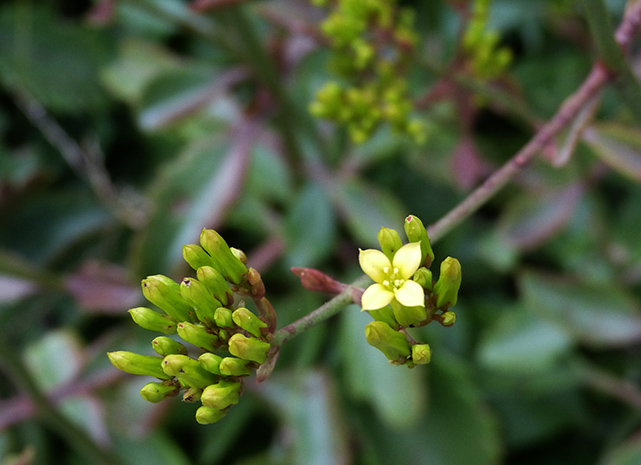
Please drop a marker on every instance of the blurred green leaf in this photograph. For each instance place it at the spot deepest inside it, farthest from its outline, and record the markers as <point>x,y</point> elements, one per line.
<point>597,314</point>
<point>628,453</point>
<point>56,359</point>
<point>618,146</point>
<point>310,227</point>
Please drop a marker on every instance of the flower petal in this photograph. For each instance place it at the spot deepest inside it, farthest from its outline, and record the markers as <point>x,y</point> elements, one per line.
<point>407,259</point>
<point>376,297</point>
<point>410,294</point>
<point>375,264</point>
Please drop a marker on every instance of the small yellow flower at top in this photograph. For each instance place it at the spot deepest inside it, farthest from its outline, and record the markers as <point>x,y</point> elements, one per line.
<point>392,279</point>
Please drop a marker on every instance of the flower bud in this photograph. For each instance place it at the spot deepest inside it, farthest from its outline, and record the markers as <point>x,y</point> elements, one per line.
<point>392,343</point>
<point>448,284</point>
<point>192,395</point>
<point>449,318</point>
<point>256,282</point>
<point>189,371</point>
<point>215,282</point>
<point>390,242</point>
<point>197,335</point>
<point>239,254</point>
<point>196,256</point>
<point>136,364</point>
<point>248,321</point>
<point>232,268</point>
<point>421,354</point>
<point>164,345</point>
<point>149,319</point>
<point>416,232</point>
<point>221,395</point>
<point>423,277</point>
<point>248,348</point>
<point>230,366</point>
<point>165,293</point>
<point>197,294</point>
<point>409,316</point>
<point>210,362</point>
<point>155,391</point>
<point>386,315</point>
<point>207,415</point>
<point>223,317</point>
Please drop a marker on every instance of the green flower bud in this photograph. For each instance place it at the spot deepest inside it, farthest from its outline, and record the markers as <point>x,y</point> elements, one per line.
<point>392,343</point>
<point>223,318</point>
<point>423,276</point>
<point>197,335</point>
<point>416,232</point>
<point>215,282</point>
<point>192,395</point>
<point>221,395</point>
<point>136,364</point>
<point>449,318</point>
<point>148,319</point>
<point>232,268</point>
<point>207,415</point>
<point>390,242</point>
<point>155,391</point>
<point>248,348</point>
<point>197,294</point>
<point>239,254</point>
<point>386,315</point>
<point>196,256</point>
<point>421,354</point>
<point>210,362</point>
<point>230,366</point>
<point>448,284</point>
<point>165,293</point>
<point>409,316</point>
<point>189,371</point>
<point>164,345</point>
<point>248,321</point>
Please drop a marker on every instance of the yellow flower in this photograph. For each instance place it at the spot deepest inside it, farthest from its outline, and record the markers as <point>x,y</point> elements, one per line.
<point>392,279</point>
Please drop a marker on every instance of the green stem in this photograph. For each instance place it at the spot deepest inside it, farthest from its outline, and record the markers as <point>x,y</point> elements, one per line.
<point>51,417</point>
<point>319,315</point>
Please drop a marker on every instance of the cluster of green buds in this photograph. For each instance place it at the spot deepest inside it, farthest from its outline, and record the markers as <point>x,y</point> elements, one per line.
<point>231,340</point>
<point>485,59</point>
<point>372,44</point>
<point>404,294</point>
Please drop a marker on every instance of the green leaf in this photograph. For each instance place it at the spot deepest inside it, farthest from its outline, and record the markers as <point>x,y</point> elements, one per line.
<point>619,147</point>
<point>628,453</point>
<point>520,342</point>
<point>309,227</point>
<point>398,395</point>
<point>55,359</point>
<point>597,314</point>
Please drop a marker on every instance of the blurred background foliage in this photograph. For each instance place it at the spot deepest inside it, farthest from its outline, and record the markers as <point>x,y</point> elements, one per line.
<point>129,125</point>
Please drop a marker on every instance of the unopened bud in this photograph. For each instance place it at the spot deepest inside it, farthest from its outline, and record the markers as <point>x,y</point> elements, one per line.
<point>248,348</point>
<point>164,345</point>
<point>256,283</point>
<point>210,362</point>
<point>448,284</point>
<point>421,354</point>
<point>390,242</point>
<point>221,395</point>
<point>207,415</point>
<point>149,319</point>
<point>423,277</point>
<point>165,293</point>
<point>215,282</point>
<point>204,303</point>
<point>155,391</point>
<point>136,364</point>
<point>416,232</point>
<point>197,335</point>
<point>223,317</point>
<point>449,318</point>
<point>239,254</point>
<point>189,371</point>
<point>196,256</point>
<point>192,395</point>
<point>392,343</point>
<point>230,366</point>
<point>232,268</point>
<point>248,321</point>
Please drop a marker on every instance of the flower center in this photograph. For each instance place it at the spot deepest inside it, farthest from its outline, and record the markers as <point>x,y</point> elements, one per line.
<point>394,281</point>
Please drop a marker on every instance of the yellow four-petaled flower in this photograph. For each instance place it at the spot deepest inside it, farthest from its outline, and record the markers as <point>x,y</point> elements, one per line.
<point>392,278</point>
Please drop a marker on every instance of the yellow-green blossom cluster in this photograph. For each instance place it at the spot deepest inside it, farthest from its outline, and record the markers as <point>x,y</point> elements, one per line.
<point>372,42</point>
<point>230,339</point>
<point>404,294</point>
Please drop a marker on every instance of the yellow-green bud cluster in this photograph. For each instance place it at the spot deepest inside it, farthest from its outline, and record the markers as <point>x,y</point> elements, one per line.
<point>202,312</point>
<point>387,332</point>
<point>372,43</point>
<point>485,58</point>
